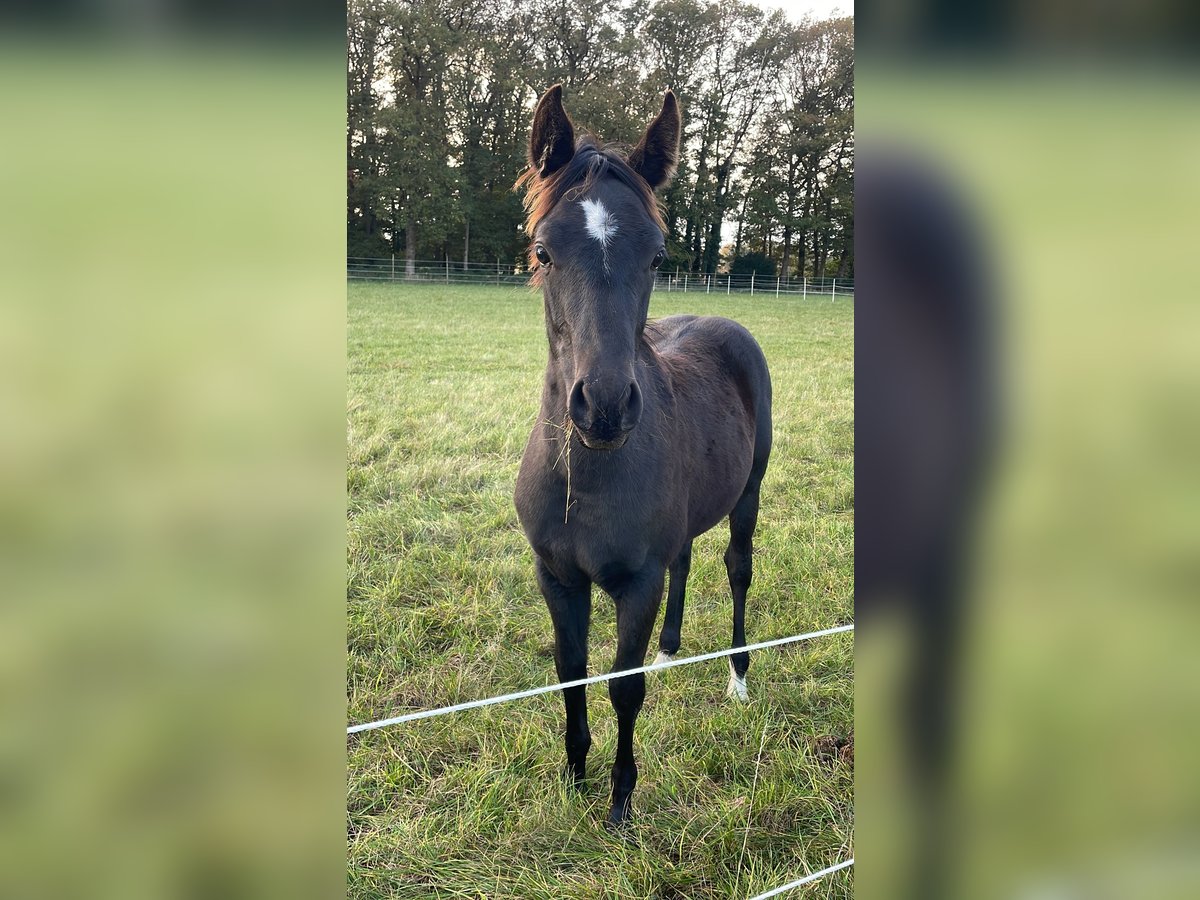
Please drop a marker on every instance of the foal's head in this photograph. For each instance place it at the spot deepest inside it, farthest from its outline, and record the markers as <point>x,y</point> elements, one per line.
<point>597,238</point>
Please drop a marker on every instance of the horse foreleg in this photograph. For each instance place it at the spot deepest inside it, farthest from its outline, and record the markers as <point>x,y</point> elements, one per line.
<point>668,640</point>
<point>570,608</point>
<point>637,608</point>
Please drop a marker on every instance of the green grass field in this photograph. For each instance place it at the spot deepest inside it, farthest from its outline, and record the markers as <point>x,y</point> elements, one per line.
<point>442,605</point>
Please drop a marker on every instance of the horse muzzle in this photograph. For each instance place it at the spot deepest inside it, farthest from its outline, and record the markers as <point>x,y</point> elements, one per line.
<point>604,411</point>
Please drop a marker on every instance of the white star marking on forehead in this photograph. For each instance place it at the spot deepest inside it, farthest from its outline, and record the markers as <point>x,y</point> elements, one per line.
<point>600,223</point>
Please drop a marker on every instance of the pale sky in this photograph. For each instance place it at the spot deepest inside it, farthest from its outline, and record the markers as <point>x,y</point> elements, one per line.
<point>818,9</point>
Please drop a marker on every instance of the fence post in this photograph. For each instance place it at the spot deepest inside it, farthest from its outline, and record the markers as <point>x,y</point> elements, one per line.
<point>447,268</point>
<point>804,294</point>
<point>751,284</point>
<point>833,293</point>
<point>728,282</point>
<point>685,275</point>
<point>707,283</point>
<point>776,285</point>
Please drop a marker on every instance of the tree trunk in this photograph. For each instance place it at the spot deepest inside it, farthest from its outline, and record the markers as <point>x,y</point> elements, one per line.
<point>787,231</point>
<point>844,264</point>
<point>410,245</point>
<point>806,213</point>
<point>712,249</point>
<point>737,245</point>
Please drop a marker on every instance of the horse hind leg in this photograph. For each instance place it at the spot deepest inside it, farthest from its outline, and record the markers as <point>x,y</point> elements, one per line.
<point>739,566</point>
<point>669,638</point>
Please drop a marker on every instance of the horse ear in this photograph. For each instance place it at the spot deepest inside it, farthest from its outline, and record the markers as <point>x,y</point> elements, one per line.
<point>656,154</point>
<point>552,139</point>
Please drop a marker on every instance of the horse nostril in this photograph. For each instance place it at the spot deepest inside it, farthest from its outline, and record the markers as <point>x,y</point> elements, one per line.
<point>577,405</point>
<point>633,406</point>
<point>601,410</point>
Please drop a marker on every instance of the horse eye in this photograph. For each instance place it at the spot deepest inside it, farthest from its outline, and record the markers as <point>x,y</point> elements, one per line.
<point>659,257</point>
<point>542,256</point>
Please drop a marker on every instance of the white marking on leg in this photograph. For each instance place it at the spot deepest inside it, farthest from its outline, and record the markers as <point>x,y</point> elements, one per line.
<point>601,224</point>
<point>663,656</point>
<point>736,689</point>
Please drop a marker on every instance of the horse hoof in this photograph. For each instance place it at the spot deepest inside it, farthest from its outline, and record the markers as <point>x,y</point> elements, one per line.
<point>576,781</point>
<point>621,829</point>
<point>663,657</point>
<point>736,689</point>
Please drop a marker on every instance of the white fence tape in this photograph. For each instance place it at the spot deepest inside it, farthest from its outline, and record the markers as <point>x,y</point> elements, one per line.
<point>805,880</point>
<point>594,679</point>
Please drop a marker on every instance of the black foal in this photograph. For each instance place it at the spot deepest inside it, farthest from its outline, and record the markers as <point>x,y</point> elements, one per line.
<point>649,434</point>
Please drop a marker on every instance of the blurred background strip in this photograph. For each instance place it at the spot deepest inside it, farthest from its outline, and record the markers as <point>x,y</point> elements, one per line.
<point>1066,137</point>
<point>172,450</point>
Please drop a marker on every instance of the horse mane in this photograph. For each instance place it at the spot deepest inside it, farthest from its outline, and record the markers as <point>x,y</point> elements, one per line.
<point>591,162</point>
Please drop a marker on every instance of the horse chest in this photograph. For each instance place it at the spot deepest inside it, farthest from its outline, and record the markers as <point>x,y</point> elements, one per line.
<point>596,531</point>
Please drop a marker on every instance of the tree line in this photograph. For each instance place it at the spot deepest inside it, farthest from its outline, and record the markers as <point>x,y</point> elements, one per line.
<point>440,93</point>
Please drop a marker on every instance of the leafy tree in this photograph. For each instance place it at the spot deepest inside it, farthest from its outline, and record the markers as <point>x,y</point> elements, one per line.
<point>758,263</point>
<point>439,94</point>
<point>366,34</point>
<point>802,155</point>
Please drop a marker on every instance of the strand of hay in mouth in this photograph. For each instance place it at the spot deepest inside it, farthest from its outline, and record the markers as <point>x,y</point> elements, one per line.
<point>567,428</point>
